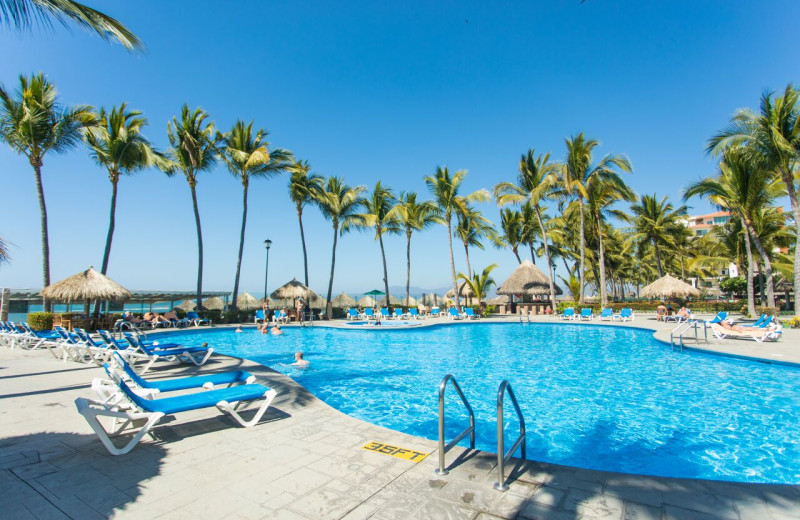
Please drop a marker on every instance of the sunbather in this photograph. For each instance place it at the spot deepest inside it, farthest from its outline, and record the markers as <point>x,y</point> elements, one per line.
<point>130,317</point>
<point>740,328</point>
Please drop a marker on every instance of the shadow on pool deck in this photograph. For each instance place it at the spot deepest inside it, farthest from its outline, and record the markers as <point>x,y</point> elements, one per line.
<point>69,475</point>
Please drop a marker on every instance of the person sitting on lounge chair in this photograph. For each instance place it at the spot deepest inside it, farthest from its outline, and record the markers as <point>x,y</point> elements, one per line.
<point>661,312</point>
<point>130,317</point>
<point>739,328</point>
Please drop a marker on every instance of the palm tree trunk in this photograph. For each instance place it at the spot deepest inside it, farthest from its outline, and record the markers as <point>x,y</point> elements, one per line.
<point>452,261</point>
<point>241,249</point>
<point>533,256</point>
<point>516,253</point>
<point>199,248</point>
<point>37,175</point>
<point>767,263</point>
<point>385,272</point>
<point>303,240</point>
<point>547,259</point>
<point>333,265</point>
<point>658,258</point>
<point>408,266</point>
<point>787,174</point>
<point>603,290</point>
<point>583,253</point>
<point>466,254</point>
<point>761,298</point>
<point>109,237</point>
<point>751,304</point>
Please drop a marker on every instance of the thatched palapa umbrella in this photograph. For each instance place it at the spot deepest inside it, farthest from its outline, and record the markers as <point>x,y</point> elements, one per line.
<point>214,303</point>
<point>463,290</point>
<point>343,301</point>
<point>292,290</point>
<point>247,301</point>
<point>187,305</point>
<point>86,286</point>
<point>527,280</point>
<point>669,287</point>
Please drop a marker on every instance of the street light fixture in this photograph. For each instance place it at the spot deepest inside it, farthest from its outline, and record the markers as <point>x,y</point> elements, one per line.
<point>267,244</point>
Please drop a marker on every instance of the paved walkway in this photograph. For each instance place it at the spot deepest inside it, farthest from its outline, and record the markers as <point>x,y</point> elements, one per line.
<point>304,460</point>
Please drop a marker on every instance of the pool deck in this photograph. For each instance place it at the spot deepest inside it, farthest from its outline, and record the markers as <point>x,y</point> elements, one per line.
<point>305,460</point>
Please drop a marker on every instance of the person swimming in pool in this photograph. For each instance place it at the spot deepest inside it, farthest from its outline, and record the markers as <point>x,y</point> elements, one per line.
<point>238,329</point>
<point>299,361</point>
<point>276,330</point>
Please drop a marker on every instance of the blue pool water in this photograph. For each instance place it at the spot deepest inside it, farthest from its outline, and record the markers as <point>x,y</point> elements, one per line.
<point>593,397</point>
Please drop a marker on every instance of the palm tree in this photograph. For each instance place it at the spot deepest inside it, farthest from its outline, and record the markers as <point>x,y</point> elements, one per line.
<point>654,220</point>
<point>302,188</point>
<point>377,214</point>
<point>33,123</point>
<point>193,150</point>
<point>471,227</point>
<point>772,137</point>
<point>743,187</point>
<point>25,14</point>
<point>247,156</point>
<point>411,216</point>
<point>479,283</point>
<point>339,203</point>
<point>576,173</point>
<point>602,193</point>
<point>536,181</point>
<point>510,235</point>
<point>444,189</point>
<point>5,256</point>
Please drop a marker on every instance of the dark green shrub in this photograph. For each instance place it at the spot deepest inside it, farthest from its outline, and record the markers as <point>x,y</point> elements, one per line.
<point>214,315</point>
<point>735,285</point>
<point>769,311</point>
<point>180,313</point>
<point>40,320</point>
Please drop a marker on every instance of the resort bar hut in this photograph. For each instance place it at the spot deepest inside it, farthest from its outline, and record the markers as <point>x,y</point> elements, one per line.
<point>293,290</point>
<point>532,286</point>
<point>343,301</point>
<point>247,301</point>
<point>668,287</point>
<point>86,286</point>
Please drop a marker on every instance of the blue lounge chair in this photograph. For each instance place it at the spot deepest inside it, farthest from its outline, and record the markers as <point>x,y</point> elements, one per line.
<point>34,339</point>
<point>454,314</point>
<point>73,346</point>
<point>606,314</point>
<point>353,314</point>
<point>718,318</point>
<point>385,312</point>
<point>624,315</point>
<point>413,312</point>
<point>568,314</point>
<point>369,313</point>
<point>280,317</point>
<point>259,317</point>
<point>111,341</point>
<point>469,313</point>
<point>195,319</point>
<point>398,313</point>
<point>765,323</point>
<point>435,312</point>
<point>142,410</point>
<point>152,353</point>
<point>235,377</point>
<point>586,313</point>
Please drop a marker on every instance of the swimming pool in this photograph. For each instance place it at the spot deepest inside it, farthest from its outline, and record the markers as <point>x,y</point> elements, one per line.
<point>608,398</point>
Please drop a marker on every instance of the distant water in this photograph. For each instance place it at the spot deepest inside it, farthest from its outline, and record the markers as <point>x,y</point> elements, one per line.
<point>133,307</point>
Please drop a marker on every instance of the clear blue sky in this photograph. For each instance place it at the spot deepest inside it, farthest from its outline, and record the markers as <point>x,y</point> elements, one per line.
<point>376,91</point>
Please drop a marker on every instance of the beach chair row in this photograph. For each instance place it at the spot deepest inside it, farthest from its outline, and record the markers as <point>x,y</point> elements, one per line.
<point>625,314</point>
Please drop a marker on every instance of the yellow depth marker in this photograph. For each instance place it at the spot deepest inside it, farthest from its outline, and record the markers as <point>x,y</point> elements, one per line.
<point>394,451</point>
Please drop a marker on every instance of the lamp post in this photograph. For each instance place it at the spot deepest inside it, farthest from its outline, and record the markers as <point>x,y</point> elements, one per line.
<point>267,244</point>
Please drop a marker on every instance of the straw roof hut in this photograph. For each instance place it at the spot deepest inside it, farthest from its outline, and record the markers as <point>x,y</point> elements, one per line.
<point>669,287</point>
<point>87,285</point>
<point>186,305</point>
<point>214,303</point>
<point>527,280</point>
<point>367,301</point>
<point>463,290</point>
<point>293,290</point>
<point>394,300</point>
<point>247,301</point>
<point>343,301</point>
<point>498,300</point>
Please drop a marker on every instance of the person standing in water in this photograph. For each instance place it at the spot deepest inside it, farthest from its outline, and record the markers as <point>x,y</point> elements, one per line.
<point>299,361</point>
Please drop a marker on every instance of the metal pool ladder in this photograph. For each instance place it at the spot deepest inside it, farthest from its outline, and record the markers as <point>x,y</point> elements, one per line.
<point>503,457</point>
<point>444,448</point>
<point>685,327</point>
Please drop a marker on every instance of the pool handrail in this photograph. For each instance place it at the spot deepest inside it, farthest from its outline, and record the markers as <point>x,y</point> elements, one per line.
<point>444,448</point>
<point>502,457</point>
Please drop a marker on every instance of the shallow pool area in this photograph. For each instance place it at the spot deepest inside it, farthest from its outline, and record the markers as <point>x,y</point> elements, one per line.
<point>608,398</point>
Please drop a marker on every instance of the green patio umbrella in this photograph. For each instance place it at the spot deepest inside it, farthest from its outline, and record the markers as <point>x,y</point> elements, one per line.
<point>373,293</point>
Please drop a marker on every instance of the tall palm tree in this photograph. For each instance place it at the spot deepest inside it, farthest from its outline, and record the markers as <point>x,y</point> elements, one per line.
<point>411,216</point>
<point>33,123</point>
<point>510,233</point>
<point>479,283</point>
<point>25,14</point>
<point>654,220</point>
<point>444,189</point>
<point>536,181</point>
<point>339,203</point>
<point>743,187</point>
<point>117,144</point>
<point>302,188</point>
<point>378,216</point>
<point>5,256</point>
<point>602,193</point>
<point>471,227</point>
<point>576,173</point>
<point>247,156</point>
<point>771,136</point>
<point>193,150</point>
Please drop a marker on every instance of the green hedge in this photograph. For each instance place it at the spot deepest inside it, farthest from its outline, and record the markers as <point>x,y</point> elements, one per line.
<point>40,320</point>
